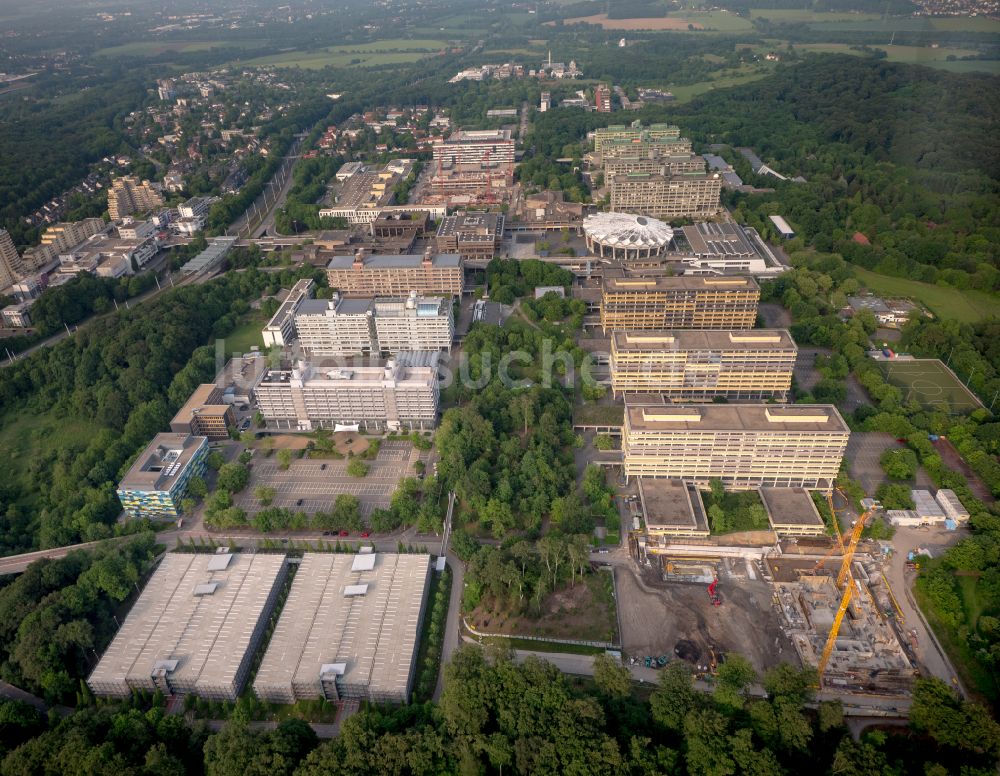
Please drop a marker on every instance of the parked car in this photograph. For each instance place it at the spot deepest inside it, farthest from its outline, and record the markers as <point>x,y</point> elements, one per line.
<point>322,467</point>
<point>298,503</point>
<point>365,534</point>
<point>345,533</point>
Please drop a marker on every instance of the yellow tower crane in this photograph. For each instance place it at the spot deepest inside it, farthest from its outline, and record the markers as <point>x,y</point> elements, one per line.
<point>845,583</point>
<point>836,520</point>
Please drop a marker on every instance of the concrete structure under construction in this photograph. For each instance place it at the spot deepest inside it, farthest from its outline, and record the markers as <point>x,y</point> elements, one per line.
<point>375,275</point>
<point>867,655</point>
<point>205,414</point>
<point>676,195</point>
<point>280,330</point>
<point>194,628</point>
<point>746,446</point>
<point>684,302</point>
<point>703,364</point>
<point>792,512</point>
<point>401,394</point>
<point>349,629</point>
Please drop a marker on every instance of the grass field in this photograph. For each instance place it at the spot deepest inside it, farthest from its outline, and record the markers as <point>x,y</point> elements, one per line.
<point>931,384</point>
<point>26,437</point>
<point>688,92</point>
<point>912,55</point>
<point>156,48</point>
<point>943,301</point>
<point>246,335</point>
<point>382,52</point>
<point>718,21</point>
<point>805,15</point>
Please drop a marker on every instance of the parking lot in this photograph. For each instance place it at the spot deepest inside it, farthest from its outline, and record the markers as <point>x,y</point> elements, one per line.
<point>312,485</point>
<point>863,452</point>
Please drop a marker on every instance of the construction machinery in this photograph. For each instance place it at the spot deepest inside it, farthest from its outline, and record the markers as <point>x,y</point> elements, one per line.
<point>836,521</point>
<point>892,597</point>
<point>715,598</point>
<point>846,584</point>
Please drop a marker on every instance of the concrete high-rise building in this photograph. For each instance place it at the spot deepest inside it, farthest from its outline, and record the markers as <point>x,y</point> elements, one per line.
<point>685,302</point>
<point>700,365</point>
<point>744,445</point>
<point>401,394</point>
<point>545,103</point>
<point>602,98</point>
<point>677,195</point>
<point>482,148</point>
<point>634,134</point>
<point>10,261</point>
<point>390,275</point>
<point>128,196</point>
<point>654,164</point>
<point>280,330</point>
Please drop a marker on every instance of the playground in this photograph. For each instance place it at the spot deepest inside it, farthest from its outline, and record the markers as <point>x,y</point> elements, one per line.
<point>932,384</point>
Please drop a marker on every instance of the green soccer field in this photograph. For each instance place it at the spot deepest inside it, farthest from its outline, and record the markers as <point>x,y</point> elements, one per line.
<point>931,384</point>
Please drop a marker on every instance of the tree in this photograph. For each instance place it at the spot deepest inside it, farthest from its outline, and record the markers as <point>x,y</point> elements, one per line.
<point>197,487</point>
<point>233,477</point>
<point>215,460</point>
<point>733,679</point>
<point>357,468</point>
<point>894,496</point>
<point>264,494</point>
<point>604,442</point>
<point>675,697</point>
<point>899,464</point>
<point>612,678</point>
<point>938,711</point>
<point>284,459</point>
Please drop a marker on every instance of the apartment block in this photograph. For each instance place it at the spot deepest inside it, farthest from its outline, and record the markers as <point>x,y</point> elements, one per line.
<point>744,445</point>
<point>205,414</point>
<point>10,261</point>
<point>602,98</point>
<point>127,196</point>
<point>403,393</point>
<point>677,195</point>
<point>158,479</point>
<point>700,365</point>
<point>387,275</point>
<point>55,239</point>
<point>685,302</point>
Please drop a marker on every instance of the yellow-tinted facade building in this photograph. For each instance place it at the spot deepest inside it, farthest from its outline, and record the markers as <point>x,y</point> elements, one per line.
<point>685,302</point>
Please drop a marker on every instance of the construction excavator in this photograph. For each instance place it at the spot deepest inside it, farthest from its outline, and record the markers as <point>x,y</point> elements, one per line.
<point>846,584</point>
<point>713,595</point>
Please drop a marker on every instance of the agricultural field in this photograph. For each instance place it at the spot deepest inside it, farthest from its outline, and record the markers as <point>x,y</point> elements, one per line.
<point>157,48</point>
<point>943,301</point>
<point>383,52</point>
<point>931,384</point>
<point>805,15</point>
<point>913,55</point>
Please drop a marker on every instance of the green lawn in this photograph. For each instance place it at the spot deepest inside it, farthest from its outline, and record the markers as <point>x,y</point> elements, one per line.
<point>806,15</point>
<point>745,75</point>
<point>381,52</point>
<point>245,335</point>
<point>155,48</point>
<point>913,55</point>
<point>715,21</point>
<point>26,437</point>
<point>943,301</point>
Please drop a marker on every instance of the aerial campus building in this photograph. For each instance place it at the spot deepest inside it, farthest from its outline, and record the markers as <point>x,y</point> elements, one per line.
<point>194,628</point>
<point>205,414</point>
<point>402,393</point>
<point>346,326</point>
<point>158,480</point>
<point>623,236</point>
<point>700,365</point>
<point>374,275</point>
<point>686,302</point>
<point>746,446</point>
<point>654,164</point>
<point>640,139</point>
<point>349,629</point>
<point>471,235</point>
<point>280,330</point>
<point>674,195</point>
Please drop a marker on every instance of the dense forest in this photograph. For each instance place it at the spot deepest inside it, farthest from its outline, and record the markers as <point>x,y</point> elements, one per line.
<point>498,716</point>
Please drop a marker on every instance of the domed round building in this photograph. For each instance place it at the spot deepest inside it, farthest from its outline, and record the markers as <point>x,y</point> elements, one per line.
<point>624,236</point>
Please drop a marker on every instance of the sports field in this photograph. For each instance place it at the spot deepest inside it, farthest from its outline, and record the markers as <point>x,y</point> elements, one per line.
<point>930,383</point>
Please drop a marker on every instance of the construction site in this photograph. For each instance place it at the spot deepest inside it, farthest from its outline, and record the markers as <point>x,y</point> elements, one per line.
<point>823,598</point>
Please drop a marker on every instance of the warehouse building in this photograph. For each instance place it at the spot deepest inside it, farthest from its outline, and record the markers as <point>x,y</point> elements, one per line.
<point>387,275</point>
<point>700,365</point>
<point>349,629</point>
<point>158,480</point>
<point>205,414</point>
<point>194,628</point>
<point>686,302</point>
<point>792,512</point>
<point>676,195</point>
<point>402,393</point>
<point>744,445</point>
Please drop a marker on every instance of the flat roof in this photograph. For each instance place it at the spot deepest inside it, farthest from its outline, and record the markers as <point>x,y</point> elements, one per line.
<point>329,619</point>
<point>217,248</point>
<point>161,462</point>
<point>401,261</point>
<point>178,619</point>
<point>792,418</point>
<point>199,401</point>
<point>479,225</point>
<point>657,340</point>
<point>711,239</point>
<point>301,291</point>
<point>671,504</point>
<point>677,283</point>
<point>792,507</point>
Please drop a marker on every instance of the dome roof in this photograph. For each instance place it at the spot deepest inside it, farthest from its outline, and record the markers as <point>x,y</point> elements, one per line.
<point>623,230</point>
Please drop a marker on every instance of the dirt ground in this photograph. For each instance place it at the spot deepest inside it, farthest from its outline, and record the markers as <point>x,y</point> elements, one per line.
<point>656,615</point>
<point>654,23</point>
<point>349,442</point>
<point>953,459</point>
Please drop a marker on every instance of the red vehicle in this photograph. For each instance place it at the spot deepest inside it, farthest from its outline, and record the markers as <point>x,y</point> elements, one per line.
<point>345,533</point>
<point>365,534</point>
<point>715,598</point>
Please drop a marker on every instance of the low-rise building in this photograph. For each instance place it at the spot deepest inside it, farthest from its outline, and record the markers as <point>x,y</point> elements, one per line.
<point>746,446</point>
<point>402,393</point>
<point>953,508</point>
<point>17,316</point>
<point>349,630</point>
<point>701,365</point>
<point>471,235</point>
<point>792,512</point>
<point>158,480</point>
<point>205,414</point>
<point>671,509</point>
